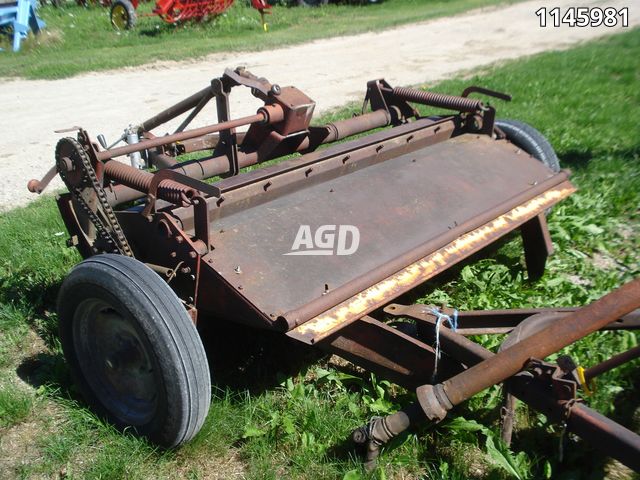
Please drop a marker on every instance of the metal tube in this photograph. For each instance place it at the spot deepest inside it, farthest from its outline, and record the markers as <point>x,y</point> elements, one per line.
<point>547,341</point>
<point>612,363</point>
<point>210,167</point>
<point>260,117</point>
<point>351,126</point>
<point>198,169</point>
<point>177,109</point>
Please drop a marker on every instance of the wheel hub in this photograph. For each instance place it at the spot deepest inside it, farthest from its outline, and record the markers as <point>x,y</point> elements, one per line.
<point>119,366</point>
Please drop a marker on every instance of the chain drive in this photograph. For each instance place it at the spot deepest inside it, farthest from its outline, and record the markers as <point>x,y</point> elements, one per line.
<point>103,218</point>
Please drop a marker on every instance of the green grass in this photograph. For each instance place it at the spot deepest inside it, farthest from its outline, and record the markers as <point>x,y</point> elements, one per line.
<point>268,421</point>
<point>81,39</point>
<point>15,403</point>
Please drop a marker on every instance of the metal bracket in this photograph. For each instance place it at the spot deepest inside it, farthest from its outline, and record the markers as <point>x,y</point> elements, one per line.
<point>378,98</point>
<point>201,219</point>
<point>260,87</point>
<point>168,174</point>
<point>228,143</point>
<point>561,377</point>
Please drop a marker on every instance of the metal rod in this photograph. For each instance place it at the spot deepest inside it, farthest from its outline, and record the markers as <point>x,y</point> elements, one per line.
<point>259,117</point>
<point>198,108</point>
<point>177,109</point>
<point>612,363</point>
<point>610,437</point>
<point>547,341</point>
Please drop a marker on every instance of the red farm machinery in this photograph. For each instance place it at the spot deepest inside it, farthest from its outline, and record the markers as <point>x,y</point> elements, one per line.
<point>123,12</point>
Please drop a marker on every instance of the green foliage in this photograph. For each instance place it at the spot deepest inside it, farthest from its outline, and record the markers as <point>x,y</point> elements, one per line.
<point>586,101</point>
<point>79,39</point>
<point>15,402</point>
<point>514,465</point>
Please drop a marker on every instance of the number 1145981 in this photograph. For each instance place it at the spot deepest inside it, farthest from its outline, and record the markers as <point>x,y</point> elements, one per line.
<point>583,17</point>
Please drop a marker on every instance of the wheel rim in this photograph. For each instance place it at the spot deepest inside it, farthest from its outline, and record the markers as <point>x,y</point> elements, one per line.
<point>116,361</point>
<point>120,17</point>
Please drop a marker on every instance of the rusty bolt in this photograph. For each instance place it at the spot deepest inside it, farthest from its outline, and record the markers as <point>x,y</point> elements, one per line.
<point>185,270</point>
<point>193,254</point>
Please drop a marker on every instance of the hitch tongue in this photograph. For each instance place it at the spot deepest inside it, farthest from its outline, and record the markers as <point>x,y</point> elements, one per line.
<point>434,401</point>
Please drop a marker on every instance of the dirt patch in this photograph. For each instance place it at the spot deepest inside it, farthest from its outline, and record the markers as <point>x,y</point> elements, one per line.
<point>20,444</point>
<point>605,262</point>
<point>212,467</point>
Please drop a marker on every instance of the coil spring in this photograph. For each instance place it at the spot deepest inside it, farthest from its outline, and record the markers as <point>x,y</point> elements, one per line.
<point>168,190</point>
<point>440,100</point>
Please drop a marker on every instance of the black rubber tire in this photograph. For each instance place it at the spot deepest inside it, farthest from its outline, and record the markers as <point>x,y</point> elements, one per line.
<point>127,13</point>
<point>312,3</point>
<point>115,310</point>
<point>531,141</point>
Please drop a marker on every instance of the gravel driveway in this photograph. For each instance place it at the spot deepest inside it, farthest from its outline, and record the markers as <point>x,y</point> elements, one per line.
<point>332,72</point>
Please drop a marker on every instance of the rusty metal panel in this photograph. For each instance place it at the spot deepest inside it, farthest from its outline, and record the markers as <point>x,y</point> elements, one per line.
<point>397,206</point>
<point>427,267</point>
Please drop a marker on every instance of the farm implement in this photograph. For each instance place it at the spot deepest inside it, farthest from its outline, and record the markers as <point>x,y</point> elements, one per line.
<point>317,247</point>
<point>123,12</point>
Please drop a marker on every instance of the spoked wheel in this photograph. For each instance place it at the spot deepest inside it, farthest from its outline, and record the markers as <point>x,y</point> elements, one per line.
<point>133,349</point>
<point>123,15</point>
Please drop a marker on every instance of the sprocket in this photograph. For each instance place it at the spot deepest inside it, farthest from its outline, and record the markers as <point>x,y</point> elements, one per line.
<point>75,168</point>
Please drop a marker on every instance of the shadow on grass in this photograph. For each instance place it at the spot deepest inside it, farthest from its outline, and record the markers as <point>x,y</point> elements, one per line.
<point>246,359</point>
<point>240,359</point>
<point>578,160</point>
<point>47,369</point>
<point>37,302</point>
